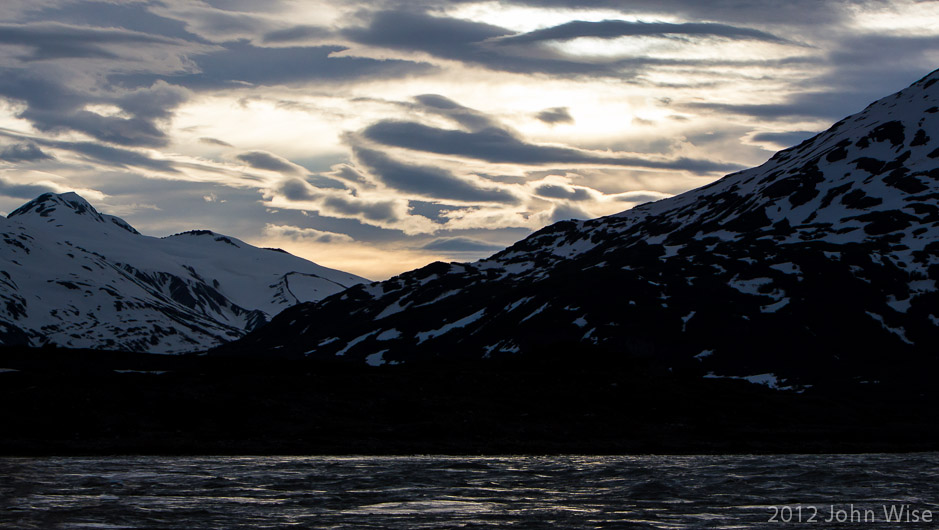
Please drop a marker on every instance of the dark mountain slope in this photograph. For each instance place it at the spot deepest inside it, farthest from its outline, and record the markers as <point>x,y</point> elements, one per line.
<point>823,261</point>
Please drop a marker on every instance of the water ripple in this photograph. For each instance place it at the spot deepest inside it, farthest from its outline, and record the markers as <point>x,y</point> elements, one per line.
<point>654,492</point>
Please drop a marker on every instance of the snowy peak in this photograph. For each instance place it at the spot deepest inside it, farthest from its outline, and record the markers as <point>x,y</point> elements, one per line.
<point>64,208</point>
<point>51,204</point>
<point>72,276</point>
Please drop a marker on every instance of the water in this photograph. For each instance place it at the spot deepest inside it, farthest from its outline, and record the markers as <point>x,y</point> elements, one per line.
<point>464,492</point>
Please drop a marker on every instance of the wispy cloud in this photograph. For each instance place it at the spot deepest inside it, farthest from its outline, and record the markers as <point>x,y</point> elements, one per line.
<point>380,134</point>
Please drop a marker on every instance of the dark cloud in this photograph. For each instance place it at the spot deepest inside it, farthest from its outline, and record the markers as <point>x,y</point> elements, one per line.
<point>421,32</point>
<point>134,16</point>
<point>371,210</point>
<point>112,156</point>
<point>427,181</point>
<point>431,210</point>
<point>23,191</point>
<point>309,234</point>
<point>808,12</point>
<point>467,41</point>
<point>640,197</point>
<point>857,70</point>
<point>60,41</point>
<point>564,212</point>
<point>154,103</point>
<point>241,62</point>
<point>296,33</point>
<point>555,115</point>
<point>23,152</point>
<point>469,118</point>
<point>501,146</point>
<point>611,29</point>
<point>215,141</point>
<point>563,192</point>
<point>460,244</point>
<point>784,139</point>
<point>300,190</point>
<point>352,175</point>
<point>115,156</point>
<point>827,105</point>
<point>297,190</point>
<point>51,106</point>
<point>267,161</point>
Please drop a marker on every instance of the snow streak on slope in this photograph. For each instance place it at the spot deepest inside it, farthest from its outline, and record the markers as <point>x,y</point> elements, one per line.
<point>72,276</point>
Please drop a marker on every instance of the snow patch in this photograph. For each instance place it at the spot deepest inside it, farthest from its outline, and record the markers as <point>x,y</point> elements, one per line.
<point>776,306</point>
<point>704,355</point>
<point>391,309</point>
<point>535,312</point>
<point>899,332</point>
<point>388,334</point>
<point>353,342</point>
<point>463,322</point>
<point>375,359</point>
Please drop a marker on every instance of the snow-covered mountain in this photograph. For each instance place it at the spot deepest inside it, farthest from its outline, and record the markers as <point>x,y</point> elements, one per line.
<point>822,260</point>
<point>74,277</point>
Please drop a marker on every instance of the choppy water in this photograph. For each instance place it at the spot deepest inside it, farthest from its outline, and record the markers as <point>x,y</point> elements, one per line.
<point>463,492</point>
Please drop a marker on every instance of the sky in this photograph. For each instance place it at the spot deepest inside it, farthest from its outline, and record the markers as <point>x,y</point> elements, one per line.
<point>376,137</point>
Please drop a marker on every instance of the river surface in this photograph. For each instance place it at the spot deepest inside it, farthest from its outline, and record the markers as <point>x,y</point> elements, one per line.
<point>556,492</point>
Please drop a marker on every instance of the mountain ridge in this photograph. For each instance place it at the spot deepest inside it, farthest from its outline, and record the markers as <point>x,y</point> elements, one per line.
<point>824,259</point>
<point>75,277</point>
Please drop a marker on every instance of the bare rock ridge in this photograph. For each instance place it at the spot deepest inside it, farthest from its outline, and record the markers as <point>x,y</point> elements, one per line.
<point>823,260</point>
<point>74,277</point>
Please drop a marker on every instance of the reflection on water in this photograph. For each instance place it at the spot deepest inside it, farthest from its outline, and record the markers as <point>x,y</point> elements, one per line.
<point>464,492</point>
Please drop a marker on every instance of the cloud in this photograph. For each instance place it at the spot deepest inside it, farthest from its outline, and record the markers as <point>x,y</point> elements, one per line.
<point>564,212</point>
<point>24,191</point>
<point>297,190</point>
<point>386,211</point>
<point>853,71</point>
<point>110,156</point>
<point>23,152</point>
<point>419,31</point>
<point>154,103</point>
<point>571,193</point>
<point>47,41</point>
<point>239,64</point>
<point>306,234</point>
<point>342,203</point>
<point>639,197</point>
<point>269,162</point>
<point>133,16</point>
<point>783,139</point>
<point>555,115</point>
<point>427,181</point>
<point>296,33</point>
<point>460,244</point>
<point>808,12</point>
<point>469,118</point>
<point>467,41</point>
<point>215,141</point>
<point>611,29</point>
<point>501,146</point>
<point>113,156</point>
<point>51,106</point>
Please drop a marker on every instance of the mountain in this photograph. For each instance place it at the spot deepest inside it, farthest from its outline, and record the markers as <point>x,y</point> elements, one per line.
<point>821,262</point>
<point>74,277</point>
